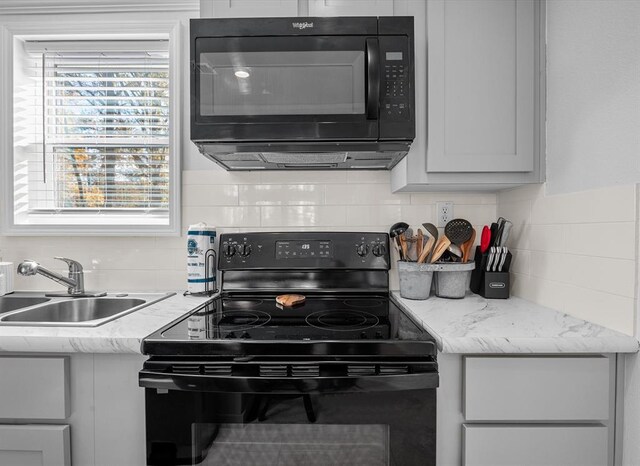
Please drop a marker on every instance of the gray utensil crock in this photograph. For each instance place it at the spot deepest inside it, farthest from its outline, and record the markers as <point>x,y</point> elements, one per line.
<point>415,279</point>
<point>452,279</point>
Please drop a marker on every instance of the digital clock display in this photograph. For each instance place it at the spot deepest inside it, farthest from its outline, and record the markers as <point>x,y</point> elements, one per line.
<point>296,249</point>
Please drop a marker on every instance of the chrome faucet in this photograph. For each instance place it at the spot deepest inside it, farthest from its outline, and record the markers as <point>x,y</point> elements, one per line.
<point>74,283</point>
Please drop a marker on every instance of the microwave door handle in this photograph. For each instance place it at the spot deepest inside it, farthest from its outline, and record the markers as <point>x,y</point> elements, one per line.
<point>373,78</point>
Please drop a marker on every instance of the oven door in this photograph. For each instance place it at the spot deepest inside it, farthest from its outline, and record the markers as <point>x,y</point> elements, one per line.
<point>247,89</point>
<point>369,413</point>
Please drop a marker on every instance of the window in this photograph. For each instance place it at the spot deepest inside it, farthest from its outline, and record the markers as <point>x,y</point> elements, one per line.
<point>92,145</point>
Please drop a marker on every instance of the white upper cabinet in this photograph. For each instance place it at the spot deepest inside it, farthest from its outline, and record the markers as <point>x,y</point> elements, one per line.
<point>481,85</point>
<point>479,96</point>
<point>351,7</point>
<point>247,8</point>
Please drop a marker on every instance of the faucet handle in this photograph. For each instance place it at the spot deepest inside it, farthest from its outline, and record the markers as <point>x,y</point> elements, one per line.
<point>74,266</point>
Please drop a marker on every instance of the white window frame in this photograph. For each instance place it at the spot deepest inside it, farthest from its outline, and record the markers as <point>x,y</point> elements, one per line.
<point>58,29</point>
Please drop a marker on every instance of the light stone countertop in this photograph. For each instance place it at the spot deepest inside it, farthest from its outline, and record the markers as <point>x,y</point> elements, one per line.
<point>122,335</point>
<point>496,326</point>
<point>470,325</point>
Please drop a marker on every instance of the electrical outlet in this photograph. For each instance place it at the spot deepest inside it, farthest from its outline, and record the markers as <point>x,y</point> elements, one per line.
<point>444,211</point>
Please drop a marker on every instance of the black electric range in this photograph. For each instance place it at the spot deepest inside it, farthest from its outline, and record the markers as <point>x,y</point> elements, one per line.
<point>343,362</point>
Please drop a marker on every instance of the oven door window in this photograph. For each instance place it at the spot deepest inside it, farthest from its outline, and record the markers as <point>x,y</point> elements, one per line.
<point>300,76</point>
<point>298,444</point>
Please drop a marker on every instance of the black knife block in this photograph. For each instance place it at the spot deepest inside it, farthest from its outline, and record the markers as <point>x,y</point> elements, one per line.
<point>492,285</point>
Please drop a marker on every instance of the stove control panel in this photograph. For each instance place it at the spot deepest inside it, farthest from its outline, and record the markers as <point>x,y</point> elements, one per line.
<point>304,250</point>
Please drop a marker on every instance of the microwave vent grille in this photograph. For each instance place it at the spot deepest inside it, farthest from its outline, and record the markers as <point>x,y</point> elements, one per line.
<point>304,157</point>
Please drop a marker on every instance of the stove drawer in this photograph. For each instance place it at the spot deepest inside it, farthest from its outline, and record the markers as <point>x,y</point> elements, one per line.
<point>536,388</point>
<point>508,445</point>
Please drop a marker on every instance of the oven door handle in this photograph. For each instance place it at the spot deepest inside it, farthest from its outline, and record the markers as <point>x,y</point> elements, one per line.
<point>286,385</point>
<point>373,78</point>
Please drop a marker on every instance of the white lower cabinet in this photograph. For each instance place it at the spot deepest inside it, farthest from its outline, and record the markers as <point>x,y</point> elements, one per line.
<point>34,445</point>
<point>535,445</point>
<point>527,410</point>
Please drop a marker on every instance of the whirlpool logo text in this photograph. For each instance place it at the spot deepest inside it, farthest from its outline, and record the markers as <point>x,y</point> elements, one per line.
<point>301,26</point>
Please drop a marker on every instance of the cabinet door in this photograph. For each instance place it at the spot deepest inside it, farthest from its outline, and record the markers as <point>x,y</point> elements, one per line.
<point>30,445</point>
<point>536,388</point>
<point>481,105</point>
<point>350,7</point>
<point>247,8</point>
<point>541,445</point>
<point>34,387</point>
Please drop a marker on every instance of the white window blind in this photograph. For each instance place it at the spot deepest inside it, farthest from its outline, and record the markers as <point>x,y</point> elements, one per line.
<point>92,136</point>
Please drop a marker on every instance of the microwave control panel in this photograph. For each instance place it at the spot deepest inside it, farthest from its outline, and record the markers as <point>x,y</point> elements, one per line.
<point>397,72</point>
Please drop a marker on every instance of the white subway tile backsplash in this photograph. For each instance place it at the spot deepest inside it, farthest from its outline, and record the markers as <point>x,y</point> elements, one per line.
<point>304,216</point>
<point>575,252</point>
<point>364,194</point>
<point>372,176</point>
<point>456,198</point>
<point>303,177</point>
<point>241,201</point>
<point>208,195</point>
<point>616,240</point>
<point>221,216</point>
<point>374,215</point>
<point>273,194</point>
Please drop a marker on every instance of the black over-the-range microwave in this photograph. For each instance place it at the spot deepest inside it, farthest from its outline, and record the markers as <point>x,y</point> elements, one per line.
<point>303,93</point>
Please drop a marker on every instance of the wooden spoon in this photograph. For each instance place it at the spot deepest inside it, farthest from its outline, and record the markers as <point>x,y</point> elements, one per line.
<point>467,246</point>
<point>405,248</point>
<point>426,250</point>
<point>419,243</point>
<point>441,246</point>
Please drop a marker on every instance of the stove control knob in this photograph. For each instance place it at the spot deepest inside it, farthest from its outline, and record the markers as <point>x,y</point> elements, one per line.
<point>230,335</point>
<point>244,249</point>
<point>379,250</point>
<point>379,334</point>
<point>245,335</point>
<point>362,249</point>
<point>363,335</point>
<point>229,250</point>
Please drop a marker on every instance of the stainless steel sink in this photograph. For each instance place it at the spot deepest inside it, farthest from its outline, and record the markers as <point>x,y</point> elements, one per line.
<point>12,303</point>
<point>80,312</point>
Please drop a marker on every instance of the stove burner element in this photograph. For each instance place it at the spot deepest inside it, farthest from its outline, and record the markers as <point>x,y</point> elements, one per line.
<point>342,320</point>
<point>237,321</point>
<point>241,304</point>
<point>365,303</point>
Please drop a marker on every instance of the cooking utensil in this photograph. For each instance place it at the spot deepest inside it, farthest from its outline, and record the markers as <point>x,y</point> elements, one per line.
<point>419,243</point>
<point>494,234</point>
<point>455,252</point>
<point>468,246</point>
<point>505,233</point>
<point>492,253</point>
<point>404,247</point>
<point>289,300</point>
<point>458,230</point>
<point>485,239</point>
<point>441,246</point>
<point>396,230</point>
<point>433,232</point>
<point>426,250</point>
<point>505,251</point>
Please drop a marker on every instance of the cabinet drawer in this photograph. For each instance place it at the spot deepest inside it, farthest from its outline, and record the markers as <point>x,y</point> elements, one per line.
<point>542,445</point>
<point>34,388</point>
<point>35,445</point>
<point>536,388</point>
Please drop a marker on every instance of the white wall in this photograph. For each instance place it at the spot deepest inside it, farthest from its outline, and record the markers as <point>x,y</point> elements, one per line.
<point>593,94</point>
